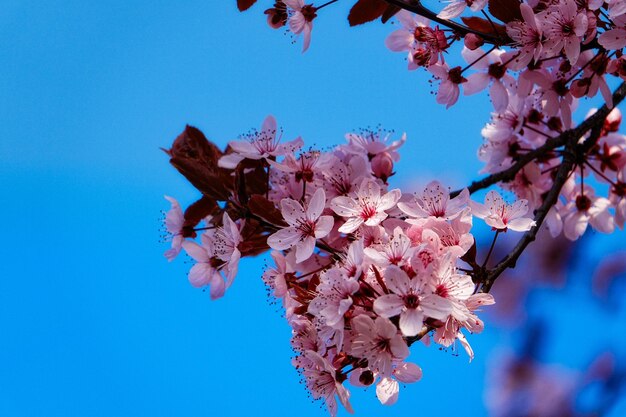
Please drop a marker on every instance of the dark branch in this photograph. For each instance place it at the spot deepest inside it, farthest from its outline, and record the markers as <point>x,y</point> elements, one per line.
<point>594,121</point>
<point>573,152</point>
<point>416,6</point>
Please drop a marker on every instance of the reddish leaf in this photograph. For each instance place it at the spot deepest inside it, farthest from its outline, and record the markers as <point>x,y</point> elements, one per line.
<point>390,12</point>
<point>196,158</point>
<point>196,212</point>
<point>365,11</point>
<point>264,209</point>
<point>484,26</point>
<point>505,10</point>
<point>245,4</point>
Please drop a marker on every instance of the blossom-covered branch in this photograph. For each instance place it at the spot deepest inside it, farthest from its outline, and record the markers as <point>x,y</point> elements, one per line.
<point>364,270</point>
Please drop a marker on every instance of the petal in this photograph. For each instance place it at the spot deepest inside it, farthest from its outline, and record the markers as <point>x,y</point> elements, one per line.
<point>292,211</point>
<point>344,206</point>
<point>388,305</point>
<point>397,280</point>
<point>476,83</point>
<point>196,251</point>
<point>399,40</point>
<point>387,391</point>
<point>323,226</point>
<point>411,322</point>
<point>351,225</point>
<point>284,239</point>
<point>408,373</point>
<point>218,286</point>
<point>521,225</point>
<point>452,10</point>
<point>499,96</point>
<point>305,249</point>
<point>436,307</point>
<point>200,274</point>
<point>316,205</point>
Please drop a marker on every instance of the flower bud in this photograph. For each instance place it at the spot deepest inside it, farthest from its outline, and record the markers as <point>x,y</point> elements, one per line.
<point>473,41</point>
<point>382,165</point>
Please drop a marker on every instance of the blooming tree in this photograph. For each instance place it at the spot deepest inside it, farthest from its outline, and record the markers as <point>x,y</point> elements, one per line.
<point>364,270</point>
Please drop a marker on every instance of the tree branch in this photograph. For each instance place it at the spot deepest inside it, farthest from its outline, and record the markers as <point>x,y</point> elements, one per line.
<point>416,6</point>
<point>596,120</point>
<point>574,153</point>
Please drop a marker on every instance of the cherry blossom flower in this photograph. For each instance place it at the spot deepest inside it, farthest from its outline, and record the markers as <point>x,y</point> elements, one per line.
<point>450,78</point>
<point>305,226</point>
<point>203,273</point>
<point>276,278</point>
<point>301,20</point>
<point>367,208</point>
<point>321,381</point>
<point>405,38</point>
<point>263,144</point>
<point>397,251</point>
<point>410,299</point>
<point>563,28</point>
<point>174,221</point>
<point>226,246</point>
<point>502,216</point>
<point>379,342</point>
<point>435,201</point>
<point>585,209</point>
<point>372,143</point>
<point>528,37</point>
<point>493,70</point>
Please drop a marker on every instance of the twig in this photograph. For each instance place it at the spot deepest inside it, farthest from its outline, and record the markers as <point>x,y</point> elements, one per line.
<point>573,154</point>
<point>594,121</point>
<point>416,6</point>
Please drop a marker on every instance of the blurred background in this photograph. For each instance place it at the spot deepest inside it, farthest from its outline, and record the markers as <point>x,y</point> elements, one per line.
<point>95,322</point>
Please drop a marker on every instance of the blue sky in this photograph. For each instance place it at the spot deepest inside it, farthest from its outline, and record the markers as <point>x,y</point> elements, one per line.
<point>94,320</point>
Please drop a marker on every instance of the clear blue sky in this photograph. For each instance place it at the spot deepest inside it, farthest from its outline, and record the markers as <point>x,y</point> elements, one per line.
<point>93,320</point>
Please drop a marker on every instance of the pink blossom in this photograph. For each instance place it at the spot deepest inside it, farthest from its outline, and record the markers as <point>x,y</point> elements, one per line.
<point>226,246</point>
<point>397,251</point>
<point>585,209</point>
<point>203,273</point>
<point>259,145</point>
<point>301,20</point>
<point>404,39</point>
<point>174,221</point>
<point>563,28</point>
<point>528,37</point>
<point>501,216</point>
<point>379,342</point>
<point>321,381</point>
<point>492,70</point>
<point>449,90</point>
<point>368,207</point>
<point>276,278</point>
<point>305,226</point>
<point>410,299</point>
<point>435,201</point>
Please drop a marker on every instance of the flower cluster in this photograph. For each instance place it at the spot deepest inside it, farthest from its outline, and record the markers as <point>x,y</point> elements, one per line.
<point>556,53</point>
<point>362,270</point>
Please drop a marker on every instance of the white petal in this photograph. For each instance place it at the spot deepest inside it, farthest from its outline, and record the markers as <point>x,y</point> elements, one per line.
<point>436,307</point>
<point>316,205</point>
<point>388,305</point>
<point>387,391</point>
<point>411,322</point>
<point>408,373</point>
<point>284,239</point>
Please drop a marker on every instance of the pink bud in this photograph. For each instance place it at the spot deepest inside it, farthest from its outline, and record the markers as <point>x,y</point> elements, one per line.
<point>473,41</point>
<point>613,120</point>
<point>382,165</point>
